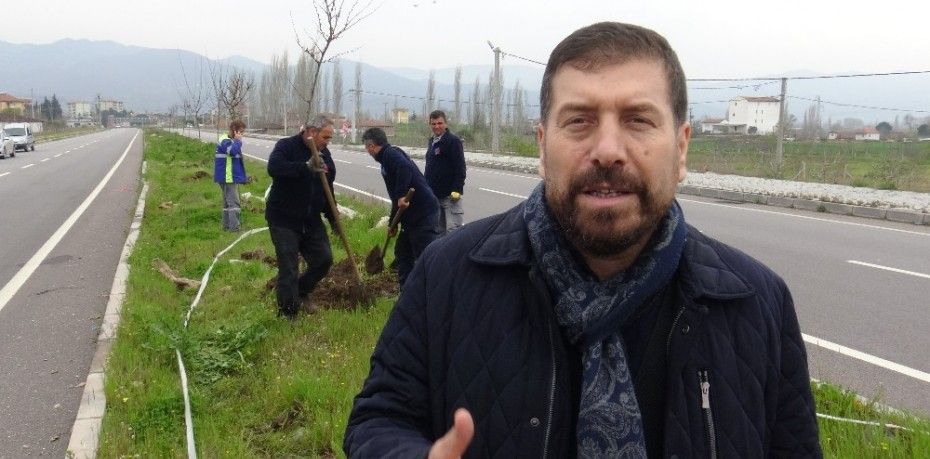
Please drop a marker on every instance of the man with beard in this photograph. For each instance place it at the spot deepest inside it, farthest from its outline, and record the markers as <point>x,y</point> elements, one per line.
<point>591,320</point>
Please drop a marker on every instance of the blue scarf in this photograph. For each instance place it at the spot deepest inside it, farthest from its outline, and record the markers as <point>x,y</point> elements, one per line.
<point>591,313</point>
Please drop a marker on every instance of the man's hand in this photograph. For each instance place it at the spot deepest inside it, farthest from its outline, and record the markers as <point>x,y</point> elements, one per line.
<point>392,231</point>
<point>403,203</point>
<point>316,165</point>
<point>454,443</point>
<point>455,196</point>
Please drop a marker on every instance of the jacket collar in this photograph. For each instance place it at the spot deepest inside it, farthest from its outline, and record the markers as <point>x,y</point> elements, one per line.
<point>702,272</point>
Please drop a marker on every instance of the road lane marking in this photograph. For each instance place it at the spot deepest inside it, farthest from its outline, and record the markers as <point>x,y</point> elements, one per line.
<point>374,167</point>
<point>888,268</point>
<point>342,161</point>
<point>503,193</point>
<point>27,166</point>
<point>5,173</point>
<point>867,358</point>
<point>356,190</point>
<point>46,159</point>
<point>805,217</point>
<point>20,278</point>
<point>59,154</point>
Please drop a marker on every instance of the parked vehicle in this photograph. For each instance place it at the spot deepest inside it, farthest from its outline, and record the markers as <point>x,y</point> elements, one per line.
<point>21,133</point>
<point>7,147</point>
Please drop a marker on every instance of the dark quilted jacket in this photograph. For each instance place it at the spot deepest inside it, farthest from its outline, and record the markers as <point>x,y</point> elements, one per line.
<point>474,329</point>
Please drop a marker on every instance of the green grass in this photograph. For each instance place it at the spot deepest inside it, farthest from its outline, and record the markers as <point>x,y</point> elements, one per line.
<point>843,439</point>
<point>265,387</point>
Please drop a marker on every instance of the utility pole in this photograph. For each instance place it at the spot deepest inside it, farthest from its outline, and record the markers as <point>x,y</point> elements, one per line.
<point>496,101</point>
<point>779,143</point>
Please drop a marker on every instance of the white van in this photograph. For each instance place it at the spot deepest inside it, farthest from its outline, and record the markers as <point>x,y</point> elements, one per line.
<point>21,133</point>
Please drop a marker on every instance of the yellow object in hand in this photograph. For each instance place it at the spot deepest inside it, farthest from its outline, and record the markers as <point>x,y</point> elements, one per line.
<point>455,195</point>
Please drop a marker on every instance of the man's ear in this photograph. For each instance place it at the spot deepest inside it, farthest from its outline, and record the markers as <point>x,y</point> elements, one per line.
<point>541,144</point>
<point>683,140</point>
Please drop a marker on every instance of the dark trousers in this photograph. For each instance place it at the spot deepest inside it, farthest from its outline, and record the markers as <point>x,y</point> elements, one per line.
<point>313,244</point>
<point>410,244</point>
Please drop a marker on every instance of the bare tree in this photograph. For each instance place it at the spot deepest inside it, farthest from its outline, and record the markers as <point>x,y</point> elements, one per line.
<point>457,114</point>
<point>333,18</point>
<point>519,108</point>
<point>477,106</point>
<point>337,87</point>
<point>358,97</point>
<point>429,104</point>
<point>195,95</point>
<point>325,88</point>
<point>232,90</point>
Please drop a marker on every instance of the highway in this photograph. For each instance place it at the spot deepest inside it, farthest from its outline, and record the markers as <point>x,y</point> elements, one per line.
<point>861,287</point>
<point>64,217</point>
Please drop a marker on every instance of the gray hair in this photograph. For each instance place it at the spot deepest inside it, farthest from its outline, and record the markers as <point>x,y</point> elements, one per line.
<point>317,122</point>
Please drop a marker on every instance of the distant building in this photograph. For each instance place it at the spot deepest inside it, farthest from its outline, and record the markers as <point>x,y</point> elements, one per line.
<point>868,133</point>
<point>400,116</point>
<point>707,125</point>
<point>13,103</point>
<point>80,109</point>
<point>109,104</point>
<point>753,115</point>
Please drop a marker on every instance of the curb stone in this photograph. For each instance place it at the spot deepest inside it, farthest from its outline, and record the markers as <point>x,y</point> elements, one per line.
<point>85,433</point>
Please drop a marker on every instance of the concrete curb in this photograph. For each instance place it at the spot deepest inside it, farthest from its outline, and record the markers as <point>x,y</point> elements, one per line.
<point>85,433</point>
<point>878,213</point>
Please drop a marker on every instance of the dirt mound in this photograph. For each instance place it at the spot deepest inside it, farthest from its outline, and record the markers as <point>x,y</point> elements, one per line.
<point>259,254</point>
<point>335,290</point>
<point>199,175</point>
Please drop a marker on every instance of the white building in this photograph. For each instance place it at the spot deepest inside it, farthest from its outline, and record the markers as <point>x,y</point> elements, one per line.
<point>753,115</point>
<point>109,104</point>
<point>80,109</point>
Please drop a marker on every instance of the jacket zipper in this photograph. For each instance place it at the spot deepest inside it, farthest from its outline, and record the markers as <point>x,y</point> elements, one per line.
<point>551,391</point>
<point>671,331</point>
<point>710,434</point>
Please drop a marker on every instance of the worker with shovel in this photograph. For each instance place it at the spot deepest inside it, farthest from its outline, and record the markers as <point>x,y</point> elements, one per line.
<point>418,215</point>
<point>293,213</point>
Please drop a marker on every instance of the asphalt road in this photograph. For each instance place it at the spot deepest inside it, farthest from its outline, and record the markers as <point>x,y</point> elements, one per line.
<point>861,287</point>
<point>51,306</point>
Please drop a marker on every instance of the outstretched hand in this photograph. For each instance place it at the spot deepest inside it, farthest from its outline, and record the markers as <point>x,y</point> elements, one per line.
<point>454,443</point>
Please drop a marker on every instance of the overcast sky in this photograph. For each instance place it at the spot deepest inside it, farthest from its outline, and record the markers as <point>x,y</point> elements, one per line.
<point>718,38</point>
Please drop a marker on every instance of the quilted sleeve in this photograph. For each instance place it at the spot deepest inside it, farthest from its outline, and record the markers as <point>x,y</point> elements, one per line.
<point>795,433</point>
<point>390,416</point>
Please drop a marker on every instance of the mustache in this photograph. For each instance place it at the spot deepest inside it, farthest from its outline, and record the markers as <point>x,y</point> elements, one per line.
<point>616,177</point>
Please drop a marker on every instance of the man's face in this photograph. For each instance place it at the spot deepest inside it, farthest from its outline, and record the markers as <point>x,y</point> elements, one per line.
<point>371,148</point>
<point>320,137</point>
<point>437,125</point>
<point>611,155</point>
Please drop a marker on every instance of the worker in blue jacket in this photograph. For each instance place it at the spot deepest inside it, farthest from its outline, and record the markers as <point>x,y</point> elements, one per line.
<point>229,172</point>
<point>421,215</point>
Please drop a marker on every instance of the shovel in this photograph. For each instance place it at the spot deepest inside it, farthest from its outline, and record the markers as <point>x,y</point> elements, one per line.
<point>374,262</point>
<point>358,294</point>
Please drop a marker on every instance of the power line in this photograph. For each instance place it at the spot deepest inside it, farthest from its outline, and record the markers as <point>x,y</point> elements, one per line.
<point>860,106</point>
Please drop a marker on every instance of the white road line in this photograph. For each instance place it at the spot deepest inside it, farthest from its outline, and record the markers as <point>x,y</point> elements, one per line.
<point>342,161</point>
<point>20,278</point>
<point>59,154</point>
<point>373,167</point>
<point>356,190</point>
<point>27,166</point>
<point>507,174</point>
<point>5,173</point>
<point>826,220</point>
<point>888,268</point>
<point>46,159</point>
<point>867,358</point>
<point>503,193</point>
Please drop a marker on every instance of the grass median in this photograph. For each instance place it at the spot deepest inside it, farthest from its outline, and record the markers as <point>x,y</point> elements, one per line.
<point>262,386</point>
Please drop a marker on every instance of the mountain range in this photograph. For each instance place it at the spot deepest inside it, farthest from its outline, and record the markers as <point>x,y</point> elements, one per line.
<point>152,80</point>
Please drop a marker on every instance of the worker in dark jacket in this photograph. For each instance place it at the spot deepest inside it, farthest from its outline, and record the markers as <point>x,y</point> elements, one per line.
<point>591,320</point>
<point>293,212</point>
<point>421,214</point>
<point>445,172</point>
<point>229,172</point>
